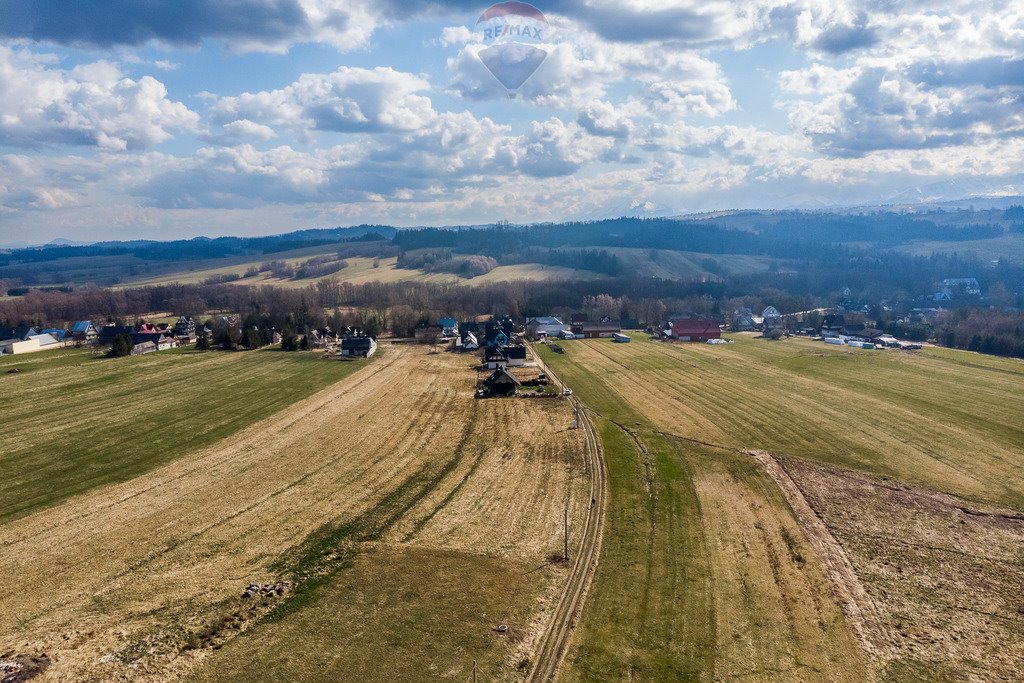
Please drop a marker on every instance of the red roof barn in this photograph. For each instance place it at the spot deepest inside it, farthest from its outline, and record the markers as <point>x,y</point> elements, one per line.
<point>696,329</point>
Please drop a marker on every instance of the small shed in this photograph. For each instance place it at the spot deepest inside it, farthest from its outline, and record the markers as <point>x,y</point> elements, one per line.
<point>358,347</point>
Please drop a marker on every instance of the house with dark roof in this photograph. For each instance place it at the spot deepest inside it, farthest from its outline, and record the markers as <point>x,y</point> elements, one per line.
<point>743,320</point>
<point>185,328</point>
<point>516,356</point>
<point>501,383</point>
<point>468,342</point>
<point>107,333</point>
<point>495,357</point>
<point>17,333</point>
<point>358,347</point>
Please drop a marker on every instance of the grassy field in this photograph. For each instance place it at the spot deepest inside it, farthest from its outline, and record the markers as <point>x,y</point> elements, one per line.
<point>699,577</point>
<point>712,578</point>
<point>1009,247</point>
<point>409,519</point>
<point>362,270</point>
<point>82,421</point>
<point>683,265</point>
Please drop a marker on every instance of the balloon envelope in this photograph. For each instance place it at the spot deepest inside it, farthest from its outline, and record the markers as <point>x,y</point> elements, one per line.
<point>512,63</point>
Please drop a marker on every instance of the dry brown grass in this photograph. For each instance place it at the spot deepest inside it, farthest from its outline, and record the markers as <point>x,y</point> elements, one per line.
<point>100,580</point>
<point>946,577</point>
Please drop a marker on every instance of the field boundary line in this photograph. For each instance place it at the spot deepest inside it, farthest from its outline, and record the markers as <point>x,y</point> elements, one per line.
<point>854,600</point>
<point>555,638</point>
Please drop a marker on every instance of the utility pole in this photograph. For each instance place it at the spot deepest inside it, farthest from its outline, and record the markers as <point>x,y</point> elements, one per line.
<point>565,529</point>
<point>474,671</point>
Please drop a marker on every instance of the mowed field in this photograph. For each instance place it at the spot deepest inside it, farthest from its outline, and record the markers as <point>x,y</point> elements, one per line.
<point>708,574</point>
<point>74,420</point>
<point>392,520</point>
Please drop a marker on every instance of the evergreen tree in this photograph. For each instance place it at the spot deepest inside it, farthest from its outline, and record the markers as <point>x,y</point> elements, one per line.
<point>288,340</point>
<point>251,339</point>
<point>122,346</point>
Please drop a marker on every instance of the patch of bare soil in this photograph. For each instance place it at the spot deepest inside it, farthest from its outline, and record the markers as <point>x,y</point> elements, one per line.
<point>945,578</point>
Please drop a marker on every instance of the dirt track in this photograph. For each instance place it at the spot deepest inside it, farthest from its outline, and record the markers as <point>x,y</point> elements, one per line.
<point>84,579</point>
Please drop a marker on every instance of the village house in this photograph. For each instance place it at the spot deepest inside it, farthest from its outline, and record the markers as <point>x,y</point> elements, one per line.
<point>495,357</point>
<point>185,328</point>
<point>694,329</point>
<point>84,331</point>
<point>17,333</point>
<point>501,383</point>
<point>358,347</point>
<point>449,327</point>
<point>469,342</point>
<point>771,321</point>
<point>496,337</point>
<point>843,324</point>
<point>743,320</point>
<point>516,356</point>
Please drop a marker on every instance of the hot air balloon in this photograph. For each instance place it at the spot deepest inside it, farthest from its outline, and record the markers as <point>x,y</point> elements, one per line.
<point>515,34</point>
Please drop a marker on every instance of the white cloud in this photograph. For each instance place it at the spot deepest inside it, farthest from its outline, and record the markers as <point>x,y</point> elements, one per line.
<point>348,100</point>
<point>92,104</point>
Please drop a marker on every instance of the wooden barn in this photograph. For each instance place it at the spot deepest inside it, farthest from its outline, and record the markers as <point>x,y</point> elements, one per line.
<point>695,329</point>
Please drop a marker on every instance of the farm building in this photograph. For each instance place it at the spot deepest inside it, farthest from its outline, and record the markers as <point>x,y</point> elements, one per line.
<point>620,338</point>
<point>142,348</point>
<point>543,327</point>
<point>577,318</point>
<point>695,329</point>
<point>57,333</point>
<point>358,347</point>
<point>10,347</point>
<point>603,329</point>
<point>846,324</point>
<point>84,331</point>
<point>501,383</point>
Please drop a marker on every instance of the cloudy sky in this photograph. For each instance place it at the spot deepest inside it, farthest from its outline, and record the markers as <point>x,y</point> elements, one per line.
<point>167,118</point>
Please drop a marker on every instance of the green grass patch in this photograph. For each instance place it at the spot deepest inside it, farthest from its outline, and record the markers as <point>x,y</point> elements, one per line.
<point>80,421</point>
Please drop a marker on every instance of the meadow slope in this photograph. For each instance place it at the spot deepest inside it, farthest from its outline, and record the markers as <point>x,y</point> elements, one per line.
<point>395,466</point>
<point>749,597</point>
